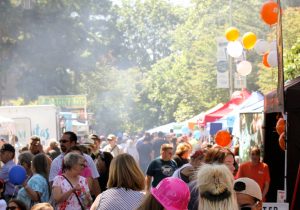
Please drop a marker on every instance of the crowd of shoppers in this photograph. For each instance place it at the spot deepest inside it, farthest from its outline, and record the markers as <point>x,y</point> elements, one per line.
<point>151,172</point>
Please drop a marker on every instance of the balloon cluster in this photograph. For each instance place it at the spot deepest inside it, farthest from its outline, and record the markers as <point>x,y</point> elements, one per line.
<point>269,14</point>
<point>235,48</point>
<point>268,52</point>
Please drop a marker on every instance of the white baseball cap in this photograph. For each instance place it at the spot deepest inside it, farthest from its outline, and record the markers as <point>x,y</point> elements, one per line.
<point>248,186</point>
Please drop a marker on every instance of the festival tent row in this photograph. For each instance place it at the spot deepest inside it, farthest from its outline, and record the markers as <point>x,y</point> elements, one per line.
<point>186,126</point>
<point>207,117</point>
<point>283,163</point>
<point>238,98</point>
<point>193,122</point>
<point>164,128</point>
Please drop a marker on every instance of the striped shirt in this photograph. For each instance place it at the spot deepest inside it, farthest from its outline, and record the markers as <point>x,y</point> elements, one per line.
<point>120,199</point>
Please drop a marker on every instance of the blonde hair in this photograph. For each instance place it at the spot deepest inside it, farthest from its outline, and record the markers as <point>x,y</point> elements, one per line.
<point>165,147</point>
<point>215,184</point>
<point>42,206</point>
<point>183,148</point>
<point>124,172</point>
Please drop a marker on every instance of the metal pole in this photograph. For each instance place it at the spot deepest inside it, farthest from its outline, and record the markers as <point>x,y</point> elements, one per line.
<point>230,71</point>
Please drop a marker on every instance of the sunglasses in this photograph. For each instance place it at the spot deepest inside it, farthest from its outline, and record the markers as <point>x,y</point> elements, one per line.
<point>63,141</point>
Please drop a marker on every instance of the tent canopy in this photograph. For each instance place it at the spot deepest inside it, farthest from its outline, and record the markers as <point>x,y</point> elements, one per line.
<point>255,103</point>
<point>198,118</point>
<point>164,128</point>
<point>257,107</point>
<point>292,99</point>
<point>230,106</point>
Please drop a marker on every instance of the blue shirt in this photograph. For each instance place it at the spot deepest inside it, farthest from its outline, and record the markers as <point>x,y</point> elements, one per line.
<point>38,184</point>
<point>9,187</point>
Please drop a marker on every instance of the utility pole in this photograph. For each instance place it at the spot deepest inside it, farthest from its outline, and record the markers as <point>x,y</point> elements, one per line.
<point>230,59</point>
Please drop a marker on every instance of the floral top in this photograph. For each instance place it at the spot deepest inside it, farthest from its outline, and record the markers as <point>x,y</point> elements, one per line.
<point>72,203</point>
<point>38,184</point>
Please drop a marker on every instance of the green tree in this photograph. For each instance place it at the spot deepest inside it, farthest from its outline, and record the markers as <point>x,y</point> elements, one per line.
<point>192,65</point>
<point>147,28</point>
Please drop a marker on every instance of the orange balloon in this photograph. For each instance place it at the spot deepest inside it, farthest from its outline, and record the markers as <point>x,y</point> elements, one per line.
<point>282,141</point>
<point>223,138</point>
<point>280,126</point>
<point>269,12</point>
<point>265,60</point>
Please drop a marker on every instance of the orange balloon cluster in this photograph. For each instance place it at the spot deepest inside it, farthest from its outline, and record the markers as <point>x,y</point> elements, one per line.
<point>280,126</point>
<point>269,12</point>
<point>282,141</point>
<point>223,138</point>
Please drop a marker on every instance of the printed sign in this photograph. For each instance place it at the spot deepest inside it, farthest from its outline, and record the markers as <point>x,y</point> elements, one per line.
<point>275,206</point>
<point>64,101</point>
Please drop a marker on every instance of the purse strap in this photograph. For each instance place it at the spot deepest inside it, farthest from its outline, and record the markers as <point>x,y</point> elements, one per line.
<point>74,192</point>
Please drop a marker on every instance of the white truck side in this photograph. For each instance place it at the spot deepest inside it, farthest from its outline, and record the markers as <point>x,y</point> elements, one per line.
<point>40,120</point>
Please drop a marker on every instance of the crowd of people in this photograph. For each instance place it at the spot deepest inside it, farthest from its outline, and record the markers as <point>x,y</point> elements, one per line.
<point>153,172</point>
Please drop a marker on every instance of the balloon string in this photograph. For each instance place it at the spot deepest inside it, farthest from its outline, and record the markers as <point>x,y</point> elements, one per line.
<point>13,195</point>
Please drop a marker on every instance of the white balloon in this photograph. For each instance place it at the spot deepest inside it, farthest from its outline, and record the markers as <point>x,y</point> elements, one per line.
<point>272,58</point>
<point>235,49</point>
<point>273,46</point>
<point>261,46</point>
<point>244,68</point>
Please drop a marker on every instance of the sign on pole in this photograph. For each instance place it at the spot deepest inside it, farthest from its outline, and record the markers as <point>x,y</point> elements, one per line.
<point>222,64</point>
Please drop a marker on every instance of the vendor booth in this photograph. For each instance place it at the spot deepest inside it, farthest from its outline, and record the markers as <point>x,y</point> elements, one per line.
<point>274,156</point>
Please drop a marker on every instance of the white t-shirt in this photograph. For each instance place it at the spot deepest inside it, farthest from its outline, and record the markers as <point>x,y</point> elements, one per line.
<point>56,166</point>
<point>3,204</point>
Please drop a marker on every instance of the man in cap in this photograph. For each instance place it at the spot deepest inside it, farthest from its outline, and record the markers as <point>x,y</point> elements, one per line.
<point>95,142</point>
<point>112,146</point>
<point>248,194</point>
<point>7,154</point>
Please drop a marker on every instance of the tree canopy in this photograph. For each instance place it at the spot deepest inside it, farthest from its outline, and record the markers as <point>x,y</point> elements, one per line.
<point>141,63</point>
